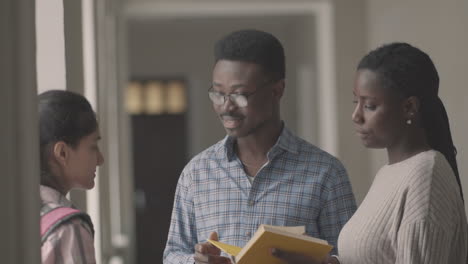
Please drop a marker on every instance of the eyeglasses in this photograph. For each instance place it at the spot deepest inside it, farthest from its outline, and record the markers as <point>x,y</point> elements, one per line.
<point>239,99</point>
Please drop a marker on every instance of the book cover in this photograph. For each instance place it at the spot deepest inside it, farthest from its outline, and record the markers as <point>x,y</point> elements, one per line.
<point>285,238</point>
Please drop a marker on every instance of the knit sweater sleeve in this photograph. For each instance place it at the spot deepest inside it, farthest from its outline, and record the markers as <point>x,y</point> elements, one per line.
<point>423,242</point>
<point>433,227</point>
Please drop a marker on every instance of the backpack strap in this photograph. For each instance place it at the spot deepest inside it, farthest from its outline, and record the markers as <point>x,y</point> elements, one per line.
<point>52,219</point>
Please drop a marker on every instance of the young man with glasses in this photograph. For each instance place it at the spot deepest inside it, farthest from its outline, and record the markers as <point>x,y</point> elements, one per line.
<point>260,173</point>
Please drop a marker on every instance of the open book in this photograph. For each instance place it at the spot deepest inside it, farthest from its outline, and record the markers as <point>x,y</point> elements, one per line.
<point>285,238</point>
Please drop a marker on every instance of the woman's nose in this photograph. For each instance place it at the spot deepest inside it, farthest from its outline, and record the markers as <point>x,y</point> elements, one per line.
<point>357,115</point>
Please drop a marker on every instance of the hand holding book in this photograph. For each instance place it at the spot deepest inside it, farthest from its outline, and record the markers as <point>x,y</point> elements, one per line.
<point>285,239</point>
<point>207,253</point>
<point>297,258</point>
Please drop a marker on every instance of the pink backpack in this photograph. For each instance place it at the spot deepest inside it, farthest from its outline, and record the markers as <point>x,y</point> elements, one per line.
<point>52,219</point>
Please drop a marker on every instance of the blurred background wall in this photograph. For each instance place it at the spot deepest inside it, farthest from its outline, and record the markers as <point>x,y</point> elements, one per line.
<point>120,43</point>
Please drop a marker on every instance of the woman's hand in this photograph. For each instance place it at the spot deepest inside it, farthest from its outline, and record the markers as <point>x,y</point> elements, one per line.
<point>295,258</point>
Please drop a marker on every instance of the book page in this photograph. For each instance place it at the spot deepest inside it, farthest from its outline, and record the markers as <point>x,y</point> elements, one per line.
<point>229,249</point>
<point>299,230</point>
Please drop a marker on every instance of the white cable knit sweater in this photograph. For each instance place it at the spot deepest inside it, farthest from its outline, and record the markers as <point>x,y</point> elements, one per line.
<point>413,213</point>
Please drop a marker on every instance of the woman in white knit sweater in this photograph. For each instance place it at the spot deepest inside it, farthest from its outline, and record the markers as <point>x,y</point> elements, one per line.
<point>414,210</point>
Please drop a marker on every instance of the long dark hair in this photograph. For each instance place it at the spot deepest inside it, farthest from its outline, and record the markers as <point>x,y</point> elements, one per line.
<point>63,116</point>
<point>411,72</point>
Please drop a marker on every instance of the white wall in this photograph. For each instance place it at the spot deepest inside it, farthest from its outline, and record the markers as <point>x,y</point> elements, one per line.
<point>440,29</point>
<point>50,45</point>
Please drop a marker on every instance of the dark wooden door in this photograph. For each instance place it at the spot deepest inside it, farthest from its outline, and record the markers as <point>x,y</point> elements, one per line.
<point>160,153</point>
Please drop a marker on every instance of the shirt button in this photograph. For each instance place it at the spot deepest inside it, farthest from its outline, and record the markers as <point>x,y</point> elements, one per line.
<point>251,203</point>
<point>248,234</point>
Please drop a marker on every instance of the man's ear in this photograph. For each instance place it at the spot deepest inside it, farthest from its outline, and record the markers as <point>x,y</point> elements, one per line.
<point>278,88</point>
<point>61,152</point>
<point>411,107</point>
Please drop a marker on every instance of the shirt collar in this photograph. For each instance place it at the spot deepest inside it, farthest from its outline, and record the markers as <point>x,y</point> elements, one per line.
<point>50,195</point>
<point>287,141</point>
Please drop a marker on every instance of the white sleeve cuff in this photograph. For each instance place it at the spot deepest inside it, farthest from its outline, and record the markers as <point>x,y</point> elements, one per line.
<point>336,257</point>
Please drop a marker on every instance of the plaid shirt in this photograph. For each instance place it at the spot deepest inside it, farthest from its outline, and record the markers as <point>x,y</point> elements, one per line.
<point>299,185</point>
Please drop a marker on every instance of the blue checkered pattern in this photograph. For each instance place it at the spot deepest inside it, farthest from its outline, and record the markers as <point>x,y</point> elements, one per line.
<point>300,185</point>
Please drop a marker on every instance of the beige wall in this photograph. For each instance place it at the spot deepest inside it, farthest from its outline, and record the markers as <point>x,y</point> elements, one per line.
<point>440,29</point>
<point>350,44</point>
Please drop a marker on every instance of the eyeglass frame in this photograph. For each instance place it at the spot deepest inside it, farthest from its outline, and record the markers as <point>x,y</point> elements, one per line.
<point>232,96</point>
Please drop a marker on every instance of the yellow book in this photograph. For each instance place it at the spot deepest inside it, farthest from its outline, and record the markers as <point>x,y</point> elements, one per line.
<point>292,239</point>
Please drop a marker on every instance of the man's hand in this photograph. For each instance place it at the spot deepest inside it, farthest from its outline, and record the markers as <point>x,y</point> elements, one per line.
<point>207,253</point>
<point>294,258</point>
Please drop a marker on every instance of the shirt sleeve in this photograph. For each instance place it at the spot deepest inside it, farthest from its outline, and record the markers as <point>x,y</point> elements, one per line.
<point>338,204</point>
<point>182,238</point>
<point>424,242</point>
<point>70,243</point>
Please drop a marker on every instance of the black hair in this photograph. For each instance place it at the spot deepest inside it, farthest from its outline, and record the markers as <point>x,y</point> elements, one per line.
<point>63,116</point>
<point>253,46</point>
<point>409,71</point>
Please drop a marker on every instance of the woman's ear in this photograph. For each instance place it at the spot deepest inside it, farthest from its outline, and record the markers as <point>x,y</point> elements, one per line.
<point>61,152</point>
<point>411,107</point>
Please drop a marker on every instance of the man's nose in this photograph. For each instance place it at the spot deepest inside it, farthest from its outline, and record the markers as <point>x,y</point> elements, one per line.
<point>229,104</point>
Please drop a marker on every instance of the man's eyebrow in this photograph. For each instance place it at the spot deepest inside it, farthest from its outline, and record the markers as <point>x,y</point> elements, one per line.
<point>235,86</point>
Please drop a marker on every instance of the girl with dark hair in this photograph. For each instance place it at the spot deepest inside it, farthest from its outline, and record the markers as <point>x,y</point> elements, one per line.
<point>414,211</point>
<point>69,156</point>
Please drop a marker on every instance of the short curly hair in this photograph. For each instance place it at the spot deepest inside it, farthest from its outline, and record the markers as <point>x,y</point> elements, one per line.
<point>253,46</point>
